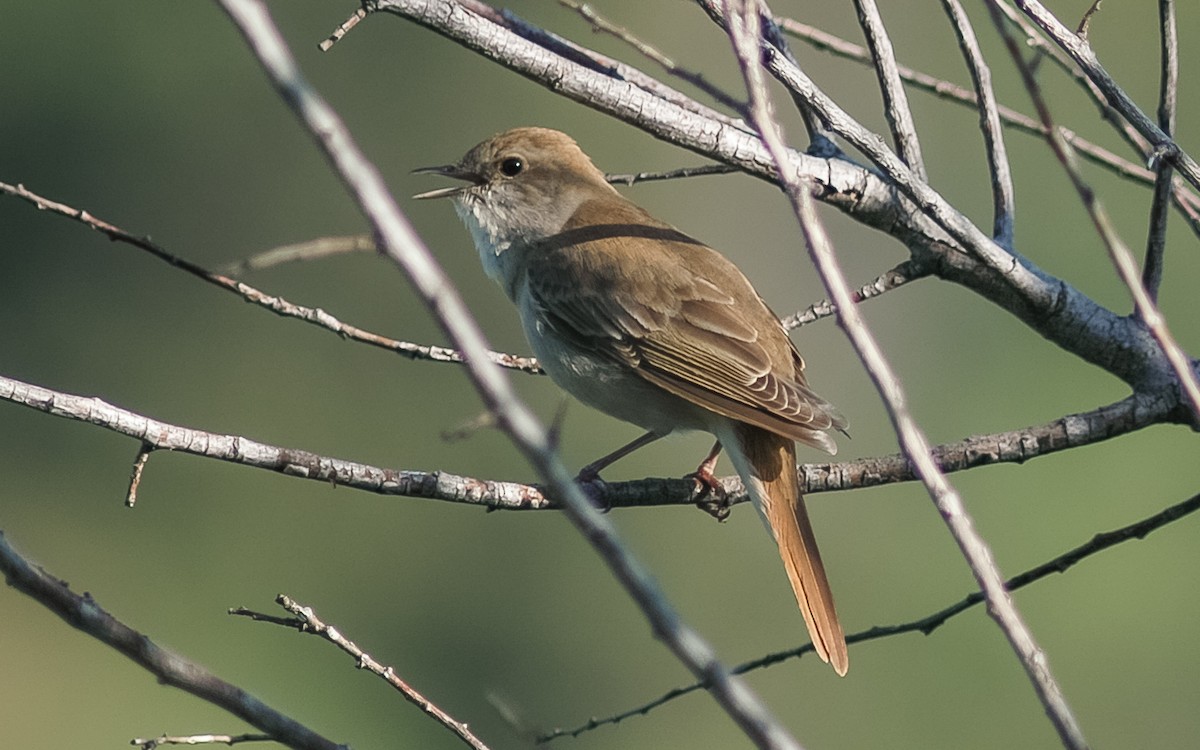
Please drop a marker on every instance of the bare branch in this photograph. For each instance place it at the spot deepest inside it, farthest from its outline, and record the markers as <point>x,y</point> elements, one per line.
<point>83,613</point>
<point>1121,257</point>
<point>897,277</point>
<point>1003,201</point>
<point>587,58</point>
<point>306,621</point>
<point>342,30</point>
<point>1048,305</point>
<point>895,101</point>
<point>705,169</point>
<point>322,247</point>
<point>200,739</point>
<point>1048,50</point>
<point>275,304</point>
<point>401,244</point>
<point>1187,202</point>
<point>1022,280</point>
<point>135,476</point>
<point>924,625</point>
<point>912,440</point>
<point>1163,184</point>
<point>1083,55</point>
<point>1015,446</point>
<point>1086,22</point>
<point>600,23</point>
<point>820,137</point>
<point>289,461</point>
<point>1019,274</point>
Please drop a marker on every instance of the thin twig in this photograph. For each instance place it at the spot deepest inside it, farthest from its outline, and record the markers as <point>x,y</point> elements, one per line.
<point>912,440</point>
<point>309,622</point>
<point>322,247</point>
<point>400,242</point>
<point>1085,23</point>
<point>1044,49</point>
<point>924,625</point>
<point>199,739</point>
<point>342,30</point>
<point>1186,201</point>
<point>85,614</point>
<point>1085,57</point>
<point>897,277</point>
<point>1168,89</point>
<point>702,170</point>
<point>895,101</point>
<point>1122,259</point>
<point>1003,201</point>
<point>600,23</point>
<point>274,303</point>
<point>1024,282</point>
<point>598,63</point>
<point>135,476</point>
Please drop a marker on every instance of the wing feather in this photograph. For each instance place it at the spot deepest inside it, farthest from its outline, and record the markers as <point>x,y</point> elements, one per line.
<point>673,318</point>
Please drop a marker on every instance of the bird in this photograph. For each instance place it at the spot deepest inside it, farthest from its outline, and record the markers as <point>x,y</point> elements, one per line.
<point>638,320</point>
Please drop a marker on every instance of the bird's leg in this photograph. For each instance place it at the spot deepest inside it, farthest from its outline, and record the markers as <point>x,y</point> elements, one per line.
<point>709,494</point>
<point>589,476</point>
<point>591,472</point>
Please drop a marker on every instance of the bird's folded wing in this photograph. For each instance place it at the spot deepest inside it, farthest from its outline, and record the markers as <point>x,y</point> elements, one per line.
<point>677,328</point>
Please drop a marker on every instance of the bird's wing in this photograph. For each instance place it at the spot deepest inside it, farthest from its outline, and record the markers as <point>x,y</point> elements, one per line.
<point>673,317</point>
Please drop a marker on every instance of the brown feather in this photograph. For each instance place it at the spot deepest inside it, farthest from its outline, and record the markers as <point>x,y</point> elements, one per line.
<point>651,326</point>
<point>773,464</point>
<point>699,343</point>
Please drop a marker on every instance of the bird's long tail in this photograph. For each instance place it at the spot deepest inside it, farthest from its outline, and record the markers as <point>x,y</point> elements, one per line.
<point>767,464</point>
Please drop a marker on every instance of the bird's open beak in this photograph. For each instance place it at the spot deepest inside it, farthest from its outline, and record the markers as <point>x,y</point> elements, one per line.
<point>447,170</point>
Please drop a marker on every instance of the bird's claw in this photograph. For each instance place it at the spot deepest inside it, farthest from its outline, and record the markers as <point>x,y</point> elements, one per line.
<point>709,494</point>
<point>595,489</point>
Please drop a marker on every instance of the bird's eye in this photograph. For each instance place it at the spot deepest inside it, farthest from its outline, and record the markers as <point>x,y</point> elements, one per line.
<point>512,166</point>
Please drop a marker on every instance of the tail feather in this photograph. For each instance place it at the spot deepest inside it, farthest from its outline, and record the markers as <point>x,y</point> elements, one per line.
<point>767,464</point>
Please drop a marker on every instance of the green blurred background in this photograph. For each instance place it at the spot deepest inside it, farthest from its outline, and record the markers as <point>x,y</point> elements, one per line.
<point>153,116</point>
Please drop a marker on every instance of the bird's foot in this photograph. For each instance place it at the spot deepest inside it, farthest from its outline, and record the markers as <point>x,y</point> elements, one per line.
<point>594,488</point>
<point>709,494</point>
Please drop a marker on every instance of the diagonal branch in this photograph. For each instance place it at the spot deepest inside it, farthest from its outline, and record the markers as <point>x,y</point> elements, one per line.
<point>927,624</point>
<point>1186,201</point>
<point>1168,90</point>
<point>895,278</point>
<point>912,440</point>
<point>1085,57</point>
<point>274,303</point>
<point>1048,50</point>
<point>600,23</point>
<point>400,242</point>
<point>590,59</point>
<point>1003,202</point>
<point>82,612</point>
<point>317,249</point>
<point>307,621</point>
<point>820,137</point>
<point>1122,259</point>
<point>896,109</point>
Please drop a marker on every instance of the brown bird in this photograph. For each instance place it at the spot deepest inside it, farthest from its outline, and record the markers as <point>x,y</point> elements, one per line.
<point>642,322</point>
